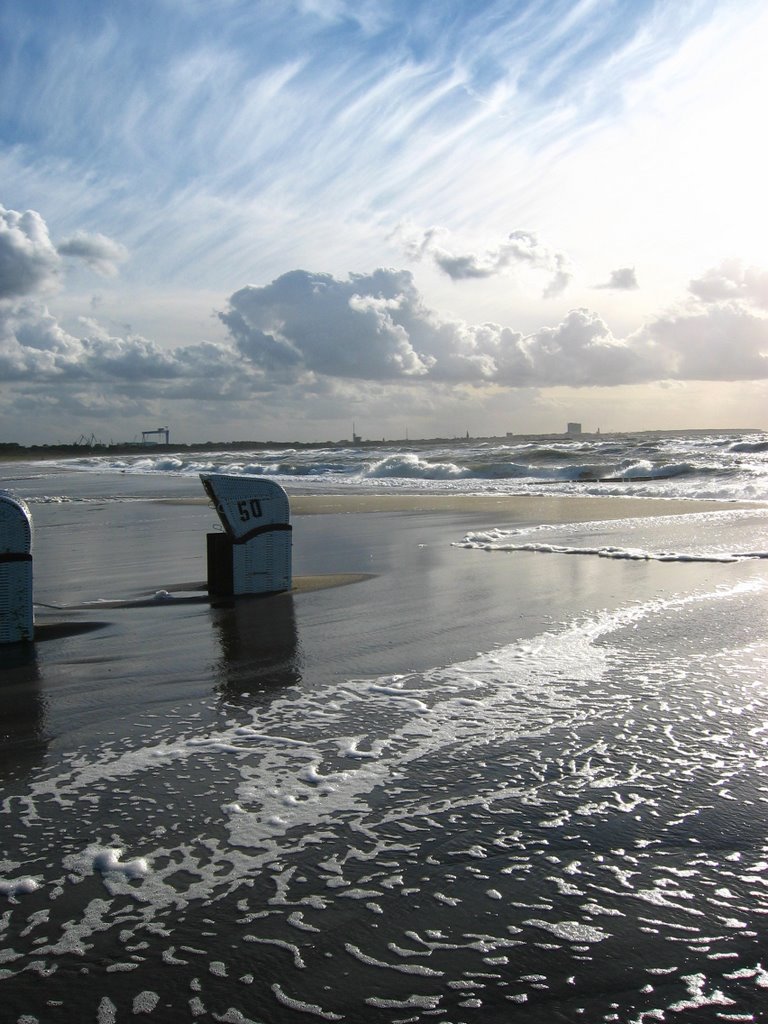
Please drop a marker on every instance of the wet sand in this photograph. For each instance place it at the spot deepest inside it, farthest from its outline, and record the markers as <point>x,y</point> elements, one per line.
<point>378,587</point>
<point>134,668</point>
<point>412,590</point>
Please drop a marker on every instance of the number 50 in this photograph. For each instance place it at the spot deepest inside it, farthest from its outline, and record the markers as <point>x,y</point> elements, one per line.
<point>249,510</point>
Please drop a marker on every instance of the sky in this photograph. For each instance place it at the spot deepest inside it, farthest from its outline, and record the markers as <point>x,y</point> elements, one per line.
<point>271,219</point>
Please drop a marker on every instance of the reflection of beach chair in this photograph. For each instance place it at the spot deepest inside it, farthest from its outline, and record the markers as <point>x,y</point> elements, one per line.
<point>253,555</point>
<point>16,613</point>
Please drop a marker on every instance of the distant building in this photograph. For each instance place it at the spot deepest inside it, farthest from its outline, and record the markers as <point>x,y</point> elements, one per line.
<point>574,428</point>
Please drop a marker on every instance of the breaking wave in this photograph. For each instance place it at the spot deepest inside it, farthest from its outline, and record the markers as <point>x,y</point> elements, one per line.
<point>708,466</point>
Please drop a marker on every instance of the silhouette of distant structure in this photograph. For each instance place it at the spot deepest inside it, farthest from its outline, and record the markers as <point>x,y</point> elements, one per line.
<point>163,434</point>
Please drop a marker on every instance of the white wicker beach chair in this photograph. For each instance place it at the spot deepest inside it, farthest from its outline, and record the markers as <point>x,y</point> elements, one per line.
<point>254,556</point>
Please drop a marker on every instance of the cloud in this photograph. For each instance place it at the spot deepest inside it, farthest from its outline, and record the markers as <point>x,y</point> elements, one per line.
<point>305,322</point>
<point>732,280</point>
<point>622,279</point>
<point>35,348</point>
<point>561,277</point>
<point>520,248</point>
<point>579,351</point>
<point>376,327</point>
<point>29,262</point>
<point>727,342</point>
<point>329,342</point>
<point>102,254</point>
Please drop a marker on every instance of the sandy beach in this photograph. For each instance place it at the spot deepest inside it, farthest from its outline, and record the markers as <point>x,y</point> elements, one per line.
<point>392,791</point>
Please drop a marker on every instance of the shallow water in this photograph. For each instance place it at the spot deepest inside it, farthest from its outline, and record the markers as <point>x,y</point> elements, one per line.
<point>477,787</point>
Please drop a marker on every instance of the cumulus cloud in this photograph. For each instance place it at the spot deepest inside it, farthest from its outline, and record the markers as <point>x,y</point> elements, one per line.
<point>313,322</point>
<point>622,279</point>
<point>520,248</point>
<point>102,254</point>
<point>376,327</point>
<point>318,336</point>
<point>732,280</point>
<point>578,351</point>
<point>29,262</point>
<point>34,347</point>
<point>726,342</point>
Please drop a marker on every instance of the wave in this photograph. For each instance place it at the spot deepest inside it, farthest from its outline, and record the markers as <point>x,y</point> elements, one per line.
<point>562,452</point>
<point>677,466</point>
<point>723,536</point>
<point>645,470</point>
<point>749,446</point>
<point>620,553</point>
<point>411,466</point>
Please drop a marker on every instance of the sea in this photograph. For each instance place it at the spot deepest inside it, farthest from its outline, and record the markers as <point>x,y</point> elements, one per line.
<point>517,773</point>
<point>700,465</point>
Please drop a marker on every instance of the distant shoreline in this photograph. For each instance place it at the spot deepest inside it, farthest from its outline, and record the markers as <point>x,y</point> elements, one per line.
<point>13,452</point>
